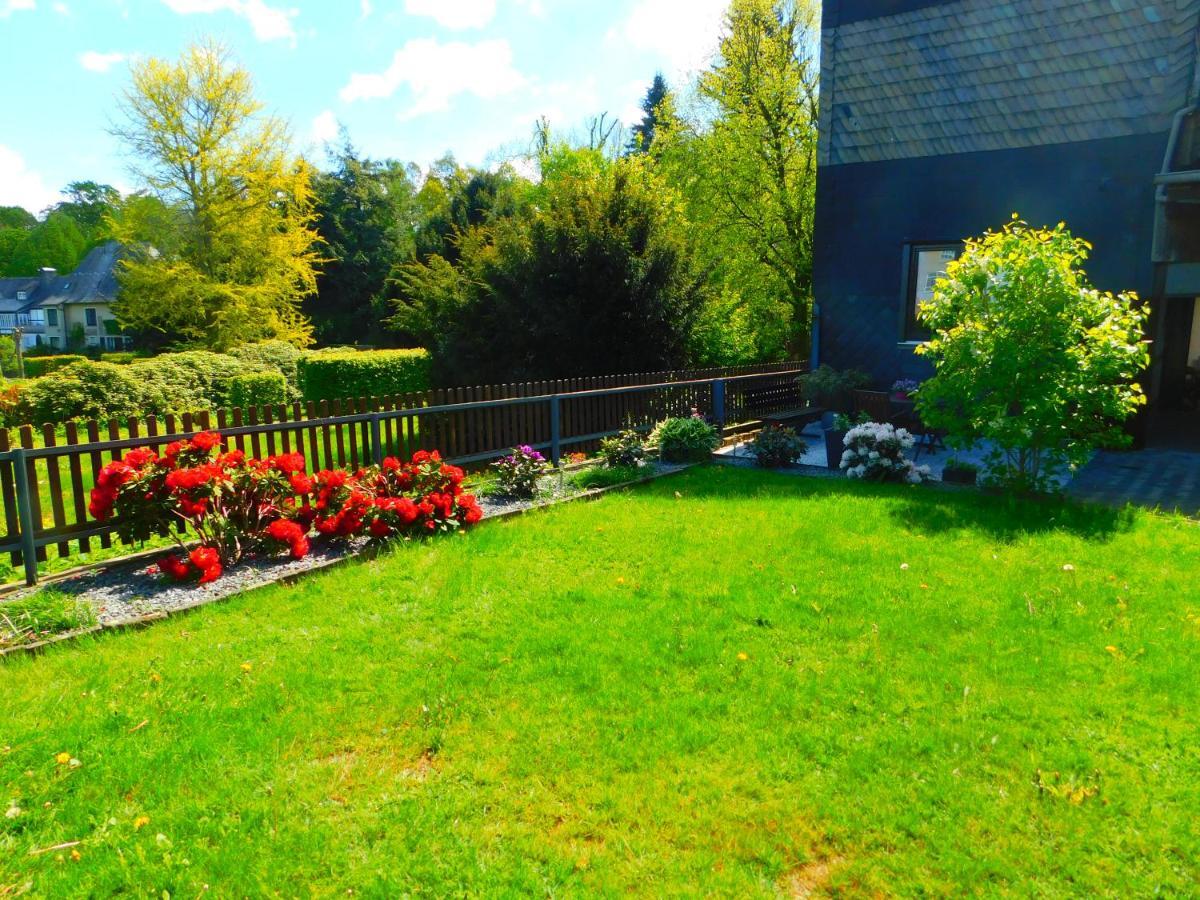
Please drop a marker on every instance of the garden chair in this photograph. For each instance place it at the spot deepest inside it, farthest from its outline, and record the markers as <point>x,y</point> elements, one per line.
<point>876,404</point>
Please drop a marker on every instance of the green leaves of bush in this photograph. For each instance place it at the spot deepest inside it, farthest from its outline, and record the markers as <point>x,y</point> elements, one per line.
<point>258,389</point>
<point>1029,356</point>
<point>336,374</point>
<point>37,366</point>
<point>684,440</point>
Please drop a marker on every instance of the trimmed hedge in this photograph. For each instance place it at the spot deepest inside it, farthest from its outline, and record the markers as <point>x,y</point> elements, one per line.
<point>78,388</point>
<point>258,389</point>
<point>121,357</point>
<point>278,355</point>
<point>340,374</point>
<point>37,366</point>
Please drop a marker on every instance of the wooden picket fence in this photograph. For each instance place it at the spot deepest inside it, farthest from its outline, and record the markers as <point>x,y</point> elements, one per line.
<point>47,473</point>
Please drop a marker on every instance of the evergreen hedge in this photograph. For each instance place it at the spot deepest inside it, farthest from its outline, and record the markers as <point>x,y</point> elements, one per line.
<point>37,366</point>
<point>258,389</point>
<point>336,375</point>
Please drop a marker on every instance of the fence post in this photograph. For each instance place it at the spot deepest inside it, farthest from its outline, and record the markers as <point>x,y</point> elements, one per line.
<point>376,440</point>
<point>718,401</point>
<point>555,429</point>
<point>25,517</point>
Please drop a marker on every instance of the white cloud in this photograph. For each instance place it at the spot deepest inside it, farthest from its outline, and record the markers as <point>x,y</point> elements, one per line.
<point>454,13</point>
<point>62,9</point>
<point>365,6</point>
<point>8,7</point>
<point>95,61</point>
<point>435,73</point>
<point>270,23</point>
<point>20,185</point>
<point>684,41</point>
<point>324,127</point>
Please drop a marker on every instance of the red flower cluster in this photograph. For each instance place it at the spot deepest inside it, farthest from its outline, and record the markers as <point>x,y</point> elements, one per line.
<point>234,504</point>
<point>291,534</point>
<point>437,502</point>
<point>202,561</point>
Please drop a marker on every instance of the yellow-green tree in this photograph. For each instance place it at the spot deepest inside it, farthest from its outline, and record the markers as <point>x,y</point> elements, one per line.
<point>741,148</point>
<point>237,254</point>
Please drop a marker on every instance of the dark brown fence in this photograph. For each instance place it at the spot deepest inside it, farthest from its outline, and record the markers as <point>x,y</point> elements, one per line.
<point>46,475</point>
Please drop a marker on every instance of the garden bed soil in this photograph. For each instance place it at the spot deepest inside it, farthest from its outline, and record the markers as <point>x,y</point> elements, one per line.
<point>131,592</point>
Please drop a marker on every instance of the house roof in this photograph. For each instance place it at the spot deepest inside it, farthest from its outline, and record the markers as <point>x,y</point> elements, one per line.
<point>94,281</point>
<point>976,75</point>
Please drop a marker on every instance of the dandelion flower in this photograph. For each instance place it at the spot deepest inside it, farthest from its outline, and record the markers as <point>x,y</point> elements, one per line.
<point>63,758</point>
<point>743,656</point>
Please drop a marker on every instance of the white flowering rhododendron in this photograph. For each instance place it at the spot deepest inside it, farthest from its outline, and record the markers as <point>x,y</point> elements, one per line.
<point>875,451</point>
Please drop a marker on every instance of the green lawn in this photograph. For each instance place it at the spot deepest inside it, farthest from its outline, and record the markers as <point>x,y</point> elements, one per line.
<point>726,682</point>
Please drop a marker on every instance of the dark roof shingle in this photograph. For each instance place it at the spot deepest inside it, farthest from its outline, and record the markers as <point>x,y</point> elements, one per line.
<point>997,74</point>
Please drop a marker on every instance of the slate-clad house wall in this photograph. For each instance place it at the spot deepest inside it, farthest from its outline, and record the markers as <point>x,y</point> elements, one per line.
<point>941,119</point>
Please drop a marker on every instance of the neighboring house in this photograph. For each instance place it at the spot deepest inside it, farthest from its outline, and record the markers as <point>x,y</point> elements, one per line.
<point>938,120</point>
<point>51,309</point>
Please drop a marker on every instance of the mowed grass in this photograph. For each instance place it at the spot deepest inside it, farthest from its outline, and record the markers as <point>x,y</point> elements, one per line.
<point>726,682</point>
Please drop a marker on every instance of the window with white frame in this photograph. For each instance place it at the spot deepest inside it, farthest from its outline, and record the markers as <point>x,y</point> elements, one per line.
<point>924,264</point>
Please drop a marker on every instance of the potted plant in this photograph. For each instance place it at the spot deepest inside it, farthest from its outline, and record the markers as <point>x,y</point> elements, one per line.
<point>959,472</point>
<point>832,390</point>
<point>835,437</point>
<point>904,388</point>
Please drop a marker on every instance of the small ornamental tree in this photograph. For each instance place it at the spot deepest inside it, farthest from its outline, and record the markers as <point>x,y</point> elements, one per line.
<point>1029,356</point>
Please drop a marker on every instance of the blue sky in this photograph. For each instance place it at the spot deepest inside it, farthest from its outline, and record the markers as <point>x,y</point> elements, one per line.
<point>410,79</point>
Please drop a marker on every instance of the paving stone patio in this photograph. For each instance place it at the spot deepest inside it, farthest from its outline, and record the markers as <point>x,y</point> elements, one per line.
<point>1163,479</point>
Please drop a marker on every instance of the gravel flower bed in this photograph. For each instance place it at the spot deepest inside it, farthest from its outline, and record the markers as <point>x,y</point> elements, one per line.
<point>131,592</point>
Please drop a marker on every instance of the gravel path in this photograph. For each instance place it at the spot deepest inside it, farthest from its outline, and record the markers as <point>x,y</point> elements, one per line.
<point>132,591</point>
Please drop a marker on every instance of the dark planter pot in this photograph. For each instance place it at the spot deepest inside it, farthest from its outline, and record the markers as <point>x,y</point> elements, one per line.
<point>959,476</point>
<point>834,447</point>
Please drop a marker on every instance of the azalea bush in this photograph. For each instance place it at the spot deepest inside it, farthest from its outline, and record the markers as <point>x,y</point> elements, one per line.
<point>875,452</point>
<point>1029,357</point>
<point>517,474</point>
<point>233,505</point>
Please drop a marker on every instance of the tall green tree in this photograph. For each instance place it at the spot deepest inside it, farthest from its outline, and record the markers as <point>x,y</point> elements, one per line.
<point>57,243</point>
<point>367,216</point>
<point>596,275</point>
<point>90,204</point>
<point>454,199</point>
<point>642,135</point>
<point>241,254</point>
<point>744,157</point>
<point>16,217</point>
<point>12,243</point>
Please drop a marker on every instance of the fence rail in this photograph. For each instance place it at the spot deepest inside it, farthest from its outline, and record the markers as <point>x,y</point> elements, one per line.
<point>44,484</point>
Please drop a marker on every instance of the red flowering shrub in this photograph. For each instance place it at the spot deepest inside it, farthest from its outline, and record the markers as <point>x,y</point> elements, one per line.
<point>432,489</point>
<point>227,501</point>
<point>233,504</point>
